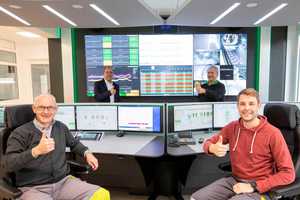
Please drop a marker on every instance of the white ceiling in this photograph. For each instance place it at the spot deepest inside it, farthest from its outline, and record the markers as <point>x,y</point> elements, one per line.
<point>134,13</point>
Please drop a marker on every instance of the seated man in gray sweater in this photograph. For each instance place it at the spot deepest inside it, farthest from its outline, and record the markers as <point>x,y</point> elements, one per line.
<point>36,153</point>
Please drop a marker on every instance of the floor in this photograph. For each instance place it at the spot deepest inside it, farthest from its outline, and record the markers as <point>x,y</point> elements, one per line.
<point>123,195</point>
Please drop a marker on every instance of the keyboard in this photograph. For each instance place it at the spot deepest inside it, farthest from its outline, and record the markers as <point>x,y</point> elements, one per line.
<point>186,141</point>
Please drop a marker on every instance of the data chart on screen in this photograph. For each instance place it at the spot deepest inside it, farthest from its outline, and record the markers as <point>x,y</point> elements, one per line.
<point>66,114</point>
<point>224,114</point>
<point>95,117</point>
<point>192,117</point>
<point>140,118</point>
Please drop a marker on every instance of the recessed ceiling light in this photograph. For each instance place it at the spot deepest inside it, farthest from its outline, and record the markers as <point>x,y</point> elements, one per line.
<point>226,12</point>
<point>271,13</point>
<point>28,34</point>
<point>252,5</point>
<point>15,6</point>
<point>100,11</point>
<point>59,15</point>
<point>77,6</point>
<point>14,16</point>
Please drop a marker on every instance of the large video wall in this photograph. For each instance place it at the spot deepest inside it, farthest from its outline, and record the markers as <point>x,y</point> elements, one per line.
<point>165,64</point>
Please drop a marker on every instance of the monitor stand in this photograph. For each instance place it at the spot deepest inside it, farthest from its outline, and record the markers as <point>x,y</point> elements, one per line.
<point>120,134</point>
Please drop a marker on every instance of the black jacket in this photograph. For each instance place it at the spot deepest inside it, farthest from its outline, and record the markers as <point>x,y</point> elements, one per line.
<point>214,92</point>
<point>102,94</point>
<point>45,169</point>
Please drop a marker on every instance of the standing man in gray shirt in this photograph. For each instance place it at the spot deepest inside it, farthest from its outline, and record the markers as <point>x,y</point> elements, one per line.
<point>36,153</point>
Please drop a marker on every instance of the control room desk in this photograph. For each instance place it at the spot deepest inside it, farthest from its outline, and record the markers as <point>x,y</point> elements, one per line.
<point>185,150</point>
<point>126,162</point>
<point>130,144</point>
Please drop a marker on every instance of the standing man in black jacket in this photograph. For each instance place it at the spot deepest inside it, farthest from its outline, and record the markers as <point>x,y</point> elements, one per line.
<point>106,90</point>
<point>36,153</point>
<point>213,90</point>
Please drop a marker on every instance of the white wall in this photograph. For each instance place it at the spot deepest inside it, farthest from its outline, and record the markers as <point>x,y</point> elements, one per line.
<point>66,48</point>
<point>28,51</point>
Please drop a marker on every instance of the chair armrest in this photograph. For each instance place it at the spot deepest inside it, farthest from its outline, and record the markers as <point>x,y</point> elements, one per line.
<point>290,190</point>
<point>225,167</point>
<point>79,168</point>
<point>8,191</point>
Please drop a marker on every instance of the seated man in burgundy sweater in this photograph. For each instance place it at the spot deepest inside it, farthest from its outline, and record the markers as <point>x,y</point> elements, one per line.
<point>259,155</point>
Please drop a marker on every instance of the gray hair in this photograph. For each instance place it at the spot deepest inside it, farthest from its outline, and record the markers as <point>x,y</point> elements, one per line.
<point>214,67</point>
<point>39,97</point>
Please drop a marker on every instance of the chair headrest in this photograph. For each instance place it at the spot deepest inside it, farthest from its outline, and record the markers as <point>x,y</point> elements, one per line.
<point>282,115</point>
<point>16,116</point>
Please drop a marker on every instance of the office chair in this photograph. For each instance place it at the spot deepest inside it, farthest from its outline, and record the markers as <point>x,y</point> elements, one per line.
<point>285,117</point>
<point>16,116</point>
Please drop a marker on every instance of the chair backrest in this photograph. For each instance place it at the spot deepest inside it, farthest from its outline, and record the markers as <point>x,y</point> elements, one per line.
<point>15,116</point>
<point>286,117</point>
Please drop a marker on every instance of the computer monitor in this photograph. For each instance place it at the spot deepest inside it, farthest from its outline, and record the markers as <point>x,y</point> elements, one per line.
<point>261,109</point>
<point>140,118</point>
<point>225,113</point>
<point>2,123</point>
<point>189,117</point>
<point>96,117</point>
<point>66,114</point>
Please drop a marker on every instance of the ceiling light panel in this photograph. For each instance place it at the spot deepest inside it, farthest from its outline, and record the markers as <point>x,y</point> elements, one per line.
<point>278,8</point>
<point>14,16</point>
<point>100,11</point>
<point>226,12</point>
<point>53,11</point>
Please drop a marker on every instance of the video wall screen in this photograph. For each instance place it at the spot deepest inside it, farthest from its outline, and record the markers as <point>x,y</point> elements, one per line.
<point>166,65</point>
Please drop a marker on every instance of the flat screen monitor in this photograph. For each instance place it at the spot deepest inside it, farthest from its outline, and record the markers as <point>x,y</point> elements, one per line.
<point>189,117</point>
<point>96,117</point>
<point>2,123</point>
<point>140,118</point>
<point>66,114</point>
<point>166,64</point>
<point>225,113</point>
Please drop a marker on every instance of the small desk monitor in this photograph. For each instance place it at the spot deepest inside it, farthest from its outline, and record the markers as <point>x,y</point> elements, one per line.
<point>66,114</point>
<point>2,123</point>
<point>224,113</point>
<point>96,117</point>
<point>140,118</point>
<point>189,117</point>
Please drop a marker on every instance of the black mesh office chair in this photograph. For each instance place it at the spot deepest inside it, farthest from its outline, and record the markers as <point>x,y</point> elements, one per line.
<point>285,117</point>
<point>16,116</point>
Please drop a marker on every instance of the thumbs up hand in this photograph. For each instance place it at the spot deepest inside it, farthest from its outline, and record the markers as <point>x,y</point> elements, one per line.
<point>45,146</point>
<point>219,149</point>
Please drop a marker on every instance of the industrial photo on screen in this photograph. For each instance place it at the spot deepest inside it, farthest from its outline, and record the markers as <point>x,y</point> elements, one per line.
<point>166,64</point>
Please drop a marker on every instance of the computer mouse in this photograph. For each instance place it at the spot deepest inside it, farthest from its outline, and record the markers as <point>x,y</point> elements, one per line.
<point>201,140</point>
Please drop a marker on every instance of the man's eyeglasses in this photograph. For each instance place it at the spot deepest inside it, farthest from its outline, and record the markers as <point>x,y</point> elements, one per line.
<point>43,108</point>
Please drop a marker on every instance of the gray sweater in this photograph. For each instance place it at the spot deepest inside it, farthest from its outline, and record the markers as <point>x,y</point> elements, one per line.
<point>45,169</point>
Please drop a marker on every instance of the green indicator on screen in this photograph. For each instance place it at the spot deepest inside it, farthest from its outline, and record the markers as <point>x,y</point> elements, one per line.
<point>90,93</point>
<point>107,39</point>
<point>107,54</point>
<point>122,93</point>
<point>133,57</point>
<point>133,41</point>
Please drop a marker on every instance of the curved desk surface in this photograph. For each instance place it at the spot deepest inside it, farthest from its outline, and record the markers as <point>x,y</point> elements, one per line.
<point>129,144</point>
